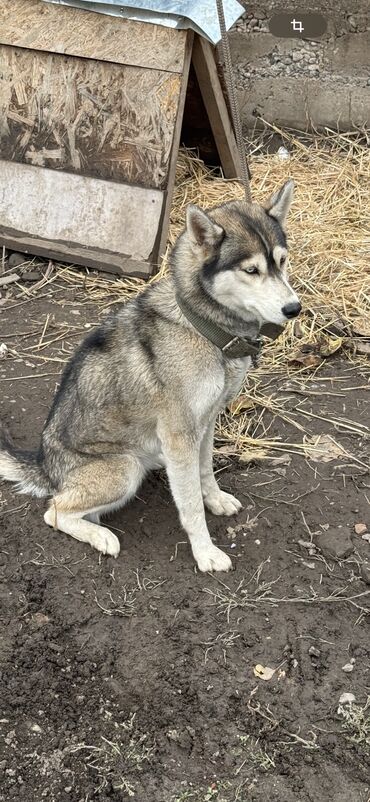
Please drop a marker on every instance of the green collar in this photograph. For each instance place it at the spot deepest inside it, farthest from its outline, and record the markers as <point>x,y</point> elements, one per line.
<point>231,347</point>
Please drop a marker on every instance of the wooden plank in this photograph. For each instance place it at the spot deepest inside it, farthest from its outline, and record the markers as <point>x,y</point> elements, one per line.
<point>104,120</point>
<point>60,29</point>
<point>163,232</point>
<point>77,213</point>
<point>214,101</point>
<point>74,254</point>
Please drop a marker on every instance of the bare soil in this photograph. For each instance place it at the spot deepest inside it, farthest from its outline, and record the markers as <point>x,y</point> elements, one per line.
<point>136,677</point>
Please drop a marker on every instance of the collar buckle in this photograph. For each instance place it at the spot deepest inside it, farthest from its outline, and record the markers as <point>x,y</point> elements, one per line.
<point>242,347</point>
<point>234,341</point>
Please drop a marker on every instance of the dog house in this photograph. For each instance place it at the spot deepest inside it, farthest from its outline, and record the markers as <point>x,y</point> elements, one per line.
<point>93,109</point>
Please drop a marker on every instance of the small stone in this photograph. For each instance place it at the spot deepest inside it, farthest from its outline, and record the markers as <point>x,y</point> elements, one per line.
<point>39,619</point>
<point>347,699</point>
<point>36,728</point>
<point>313,652</point>
<point>17,259</point>
<point>365,573</point>
<point>31,275</point>
<point>335,543</point>
<point>360,529</point>
<point>297,55</point>
<point>68,789</point>
<point>347,668</point>
<point>283,154</point>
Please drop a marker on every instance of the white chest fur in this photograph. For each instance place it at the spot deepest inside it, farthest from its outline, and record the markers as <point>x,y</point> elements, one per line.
<point>212,391</point>
<point>236,369</point>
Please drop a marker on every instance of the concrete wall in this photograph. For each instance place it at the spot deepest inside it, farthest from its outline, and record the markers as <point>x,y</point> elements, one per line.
<point>295,83</point>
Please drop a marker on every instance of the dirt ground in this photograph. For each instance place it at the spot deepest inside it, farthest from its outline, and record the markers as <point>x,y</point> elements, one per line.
<point>137,677</point>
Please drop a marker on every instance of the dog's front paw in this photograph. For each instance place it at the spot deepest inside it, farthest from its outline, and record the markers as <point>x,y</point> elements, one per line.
<point>105,541</point>
<point>221,503</point>
<point>212,559</point>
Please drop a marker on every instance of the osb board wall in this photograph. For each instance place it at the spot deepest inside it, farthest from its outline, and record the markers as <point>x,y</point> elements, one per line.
<point>90,118</point>
<point>59,29</point>
<point>104,120</point>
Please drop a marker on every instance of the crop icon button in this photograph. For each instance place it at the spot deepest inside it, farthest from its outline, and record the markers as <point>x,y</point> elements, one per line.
<point>298,25</point>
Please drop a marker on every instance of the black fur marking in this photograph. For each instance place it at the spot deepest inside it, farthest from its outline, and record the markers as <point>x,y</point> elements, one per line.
<point>147,312</point>
<point>97,339</point>
<point>144,326</point>
<point>215,265</point>
<point>219,265</point>
<point>272,268</point>
<point>64,382</point>
<point>145,344</point>
<point>273,231</point>
<point>263,236</point>
<point>278,232</point>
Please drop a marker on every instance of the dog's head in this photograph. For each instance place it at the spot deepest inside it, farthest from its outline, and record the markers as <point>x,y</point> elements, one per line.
<point>238,252</point>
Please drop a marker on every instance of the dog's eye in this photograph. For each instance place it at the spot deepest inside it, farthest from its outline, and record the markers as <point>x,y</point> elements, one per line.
<point>252,270</point>
<point>282,261</point>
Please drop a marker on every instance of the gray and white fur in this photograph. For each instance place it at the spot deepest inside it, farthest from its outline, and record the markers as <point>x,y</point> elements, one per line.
<point>144,389</point>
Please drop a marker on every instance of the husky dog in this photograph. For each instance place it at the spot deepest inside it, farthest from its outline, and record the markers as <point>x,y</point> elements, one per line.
<point>144,389</point>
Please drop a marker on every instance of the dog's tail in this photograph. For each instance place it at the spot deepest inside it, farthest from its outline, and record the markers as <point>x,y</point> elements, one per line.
<point>23,467</point>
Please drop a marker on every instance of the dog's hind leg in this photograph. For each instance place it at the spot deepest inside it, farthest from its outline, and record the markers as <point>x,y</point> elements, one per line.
<point>74,524</point>
<point>215,499</point>
<point>95,488</point>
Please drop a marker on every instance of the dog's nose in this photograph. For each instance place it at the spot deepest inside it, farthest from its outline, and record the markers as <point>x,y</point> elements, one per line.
<point>292,310</point>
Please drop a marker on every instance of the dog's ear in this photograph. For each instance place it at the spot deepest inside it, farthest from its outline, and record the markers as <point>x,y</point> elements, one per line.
<point>201,229</point>
<point>278,206</point>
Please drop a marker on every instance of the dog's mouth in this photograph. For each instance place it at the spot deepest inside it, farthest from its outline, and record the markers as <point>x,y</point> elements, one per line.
<point>272,330</point>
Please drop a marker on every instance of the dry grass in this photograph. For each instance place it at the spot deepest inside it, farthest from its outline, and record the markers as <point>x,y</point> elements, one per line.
<point>356,722</point>
<point>213,793</point>
<point>115,760</point>
<point>256,592</point>
<point>329,229</point>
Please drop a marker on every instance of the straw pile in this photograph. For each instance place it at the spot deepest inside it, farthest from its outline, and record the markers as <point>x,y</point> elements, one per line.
<point>329,237</point>
<point>329,225</point>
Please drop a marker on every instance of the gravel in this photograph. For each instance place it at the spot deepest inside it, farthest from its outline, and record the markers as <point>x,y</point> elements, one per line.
<point>308,58</point>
